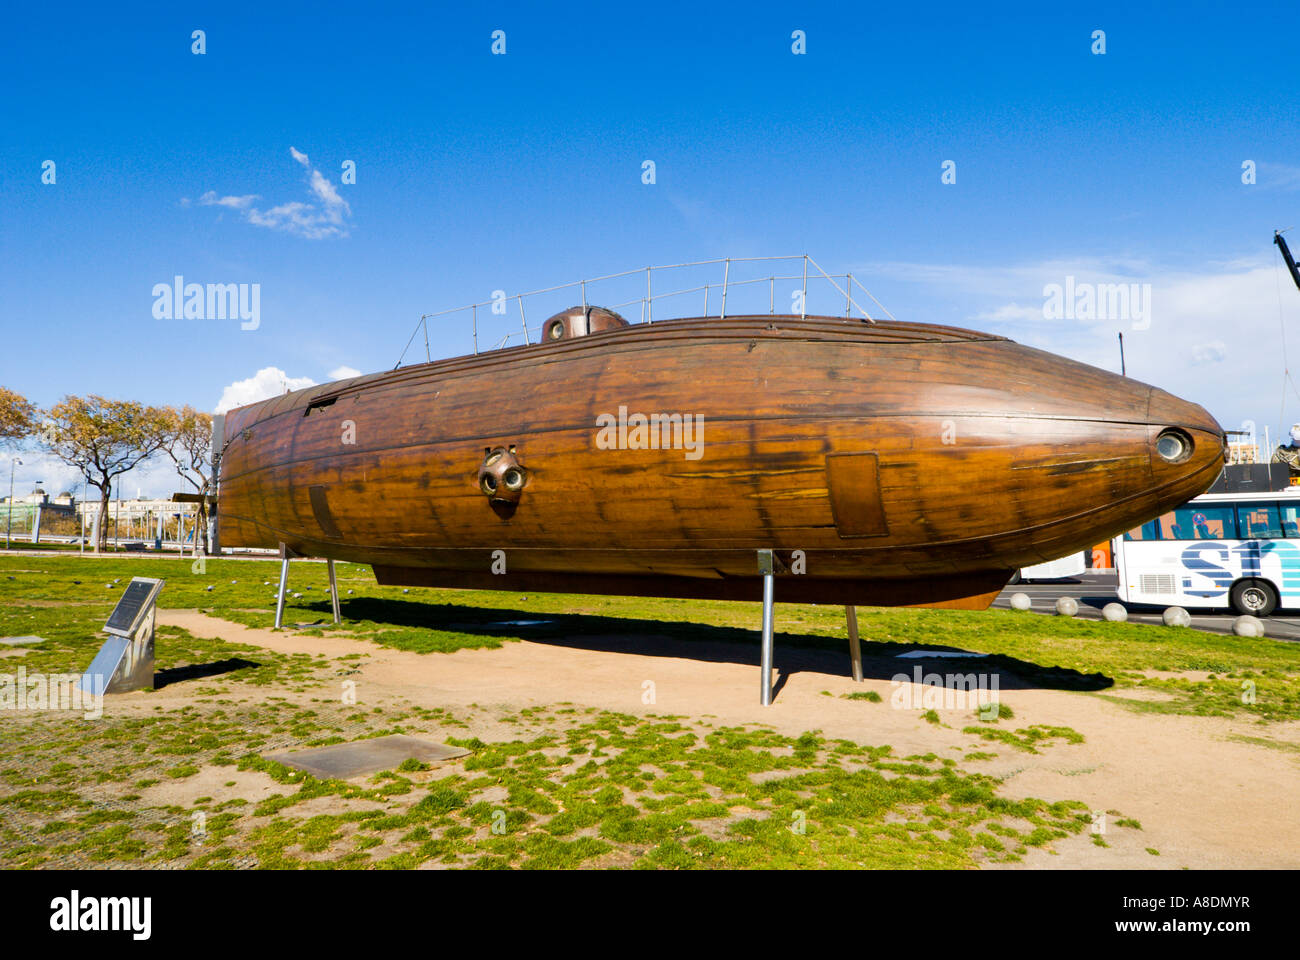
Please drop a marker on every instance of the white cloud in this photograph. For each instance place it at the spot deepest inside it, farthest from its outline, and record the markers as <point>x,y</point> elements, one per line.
<point>328,217</point>
<point>154,478</point>
<point>266,383</point>
<point>344,373</point>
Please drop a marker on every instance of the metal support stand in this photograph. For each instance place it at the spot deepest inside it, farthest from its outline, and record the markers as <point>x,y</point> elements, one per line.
<point>766,567</point>
<point>855,647</point>
<point>284,581</point>
<point>334,591</point>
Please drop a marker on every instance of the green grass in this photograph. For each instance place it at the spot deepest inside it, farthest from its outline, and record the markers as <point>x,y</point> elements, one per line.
<point>587,789</point>
<point>1255,677</point>
<point>572,787</point>
<point>1027,738</point>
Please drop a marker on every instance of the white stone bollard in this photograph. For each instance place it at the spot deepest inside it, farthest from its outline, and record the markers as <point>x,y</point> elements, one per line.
<point>1067,606</point>
<point>1248,626</point>
<point>1115,612</point>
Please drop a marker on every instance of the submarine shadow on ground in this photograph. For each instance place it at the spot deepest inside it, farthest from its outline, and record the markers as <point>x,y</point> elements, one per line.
<point>200,671</point>
<point>686,640</point>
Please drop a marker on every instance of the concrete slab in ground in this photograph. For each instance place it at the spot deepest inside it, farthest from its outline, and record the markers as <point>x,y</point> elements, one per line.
<point>342,761</point>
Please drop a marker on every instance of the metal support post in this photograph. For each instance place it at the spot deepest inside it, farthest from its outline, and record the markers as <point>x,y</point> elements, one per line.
<point>284,581</point>
<point>334,591</point>
<point>855,646</point>
<point>766,567</point>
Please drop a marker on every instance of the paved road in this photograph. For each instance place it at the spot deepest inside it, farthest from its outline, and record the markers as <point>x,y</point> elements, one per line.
<point>1095,590</point>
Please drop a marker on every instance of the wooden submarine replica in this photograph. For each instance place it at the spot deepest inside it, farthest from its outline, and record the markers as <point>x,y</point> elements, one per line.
<point>881,463</point>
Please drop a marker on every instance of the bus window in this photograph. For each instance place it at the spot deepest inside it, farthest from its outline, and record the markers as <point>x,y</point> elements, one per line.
<point>1169,528</point>
<point>1200,522</point>
<point>1291,519</point>
<point>1258,521</point>
<point>1147,531</point>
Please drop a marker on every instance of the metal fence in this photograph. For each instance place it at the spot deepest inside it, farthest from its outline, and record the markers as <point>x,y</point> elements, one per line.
<point>618,284</point>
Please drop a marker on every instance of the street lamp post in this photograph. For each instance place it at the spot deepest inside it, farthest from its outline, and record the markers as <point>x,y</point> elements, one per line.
<point>10,523</point>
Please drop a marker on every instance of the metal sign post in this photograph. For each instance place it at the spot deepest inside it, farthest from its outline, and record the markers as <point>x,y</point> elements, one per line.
<point>126,660</point>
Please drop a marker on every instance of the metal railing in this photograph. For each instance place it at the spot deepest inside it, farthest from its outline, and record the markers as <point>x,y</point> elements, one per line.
<point>497,304</point>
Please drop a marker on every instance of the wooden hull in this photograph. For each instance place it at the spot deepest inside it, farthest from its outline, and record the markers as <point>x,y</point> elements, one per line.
<point>891,463</point>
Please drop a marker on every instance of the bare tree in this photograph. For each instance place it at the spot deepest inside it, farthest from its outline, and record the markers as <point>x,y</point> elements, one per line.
<point>189,445</point>
<point>104,439</point>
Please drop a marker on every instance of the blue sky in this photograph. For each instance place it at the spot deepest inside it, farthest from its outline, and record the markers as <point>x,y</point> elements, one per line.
<point>477,172</point>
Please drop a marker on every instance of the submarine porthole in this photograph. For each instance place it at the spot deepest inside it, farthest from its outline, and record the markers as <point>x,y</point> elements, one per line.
<point>514,479</point>
<point>1174,446</point>
<point>493,458</point>
<point>489,484</point>
<point>556,331</point>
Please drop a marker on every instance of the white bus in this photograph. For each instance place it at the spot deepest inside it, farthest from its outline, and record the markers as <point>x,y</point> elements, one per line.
<point>1238,550</point>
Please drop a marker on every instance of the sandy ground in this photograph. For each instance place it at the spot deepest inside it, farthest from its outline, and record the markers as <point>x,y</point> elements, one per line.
<point>1204,800</point>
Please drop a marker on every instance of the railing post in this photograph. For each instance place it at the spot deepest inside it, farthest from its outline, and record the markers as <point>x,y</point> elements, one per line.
<point>584,294</point>
<point>523,319</point>
<point>771,294</point>
<point>649,300</point>
<point>848,296</point>
<point>803,302</point>
<point>706,299</point>
<point>726,274</point>
<point>425,321</point>
<point>475,308</point>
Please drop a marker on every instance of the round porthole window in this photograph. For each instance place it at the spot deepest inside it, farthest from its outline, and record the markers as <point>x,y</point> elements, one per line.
<point>1173,446</point>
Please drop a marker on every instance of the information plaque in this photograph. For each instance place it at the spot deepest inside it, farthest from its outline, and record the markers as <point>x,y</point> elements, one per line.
<point>125,661</point>
<point>136,599</point>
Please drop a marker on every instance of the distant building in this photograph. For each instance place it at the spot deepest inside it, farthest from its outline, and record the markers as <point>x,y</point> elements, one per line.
<point>136,510</point>
<point>1242,451</point>
<point>24,510</point>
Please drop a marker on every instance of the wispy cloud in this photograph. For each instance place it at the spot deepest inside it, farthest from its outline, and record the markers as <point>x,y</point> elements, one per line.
<point>326,217</point>
<point>1216,331</point>
<point>1279,176</point>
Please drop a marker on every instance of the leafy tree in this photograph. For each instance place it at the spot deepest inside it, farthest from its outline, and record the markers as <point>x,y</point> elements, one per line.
<point>189,445</point>
<point>104,439</point>
<point>17,417</point>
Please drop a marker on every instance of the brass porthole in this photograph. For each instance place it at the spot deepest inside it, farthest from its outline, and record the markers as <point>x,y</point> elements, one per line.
<point>1173,446</point>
